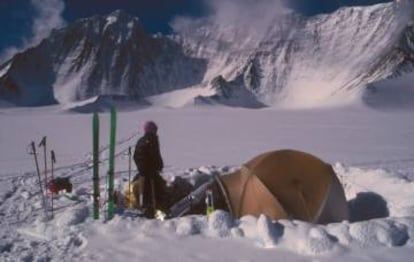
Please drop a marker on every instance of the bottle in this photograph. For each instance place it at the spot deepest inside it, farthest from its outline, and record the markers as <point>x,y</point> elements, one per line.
<point>209,202</point>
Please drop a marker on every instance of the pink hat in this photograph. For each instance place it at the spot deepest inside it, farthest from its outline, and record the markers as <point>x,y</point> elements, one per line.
<point>150,127</point>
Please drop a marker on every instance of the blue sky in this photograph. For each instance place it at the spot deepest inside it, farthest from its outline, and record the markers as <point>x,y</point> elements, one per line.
<point>24,22</point>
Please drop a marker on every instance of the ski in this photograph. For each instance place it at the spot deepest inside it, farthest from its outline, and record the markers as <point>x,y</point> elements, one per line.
<point>95,161</point>
<point>112,136</point>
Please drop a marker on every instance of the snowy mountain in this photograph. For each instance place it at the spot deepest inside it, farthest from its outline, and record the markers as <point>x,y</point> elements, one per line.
<point>296,61</point>
<point>284,60</point>
<point>102,55</point>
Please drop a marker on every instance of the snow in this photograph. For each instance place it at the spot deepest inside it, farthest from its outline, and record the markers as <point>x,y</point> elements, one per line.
<point>64,88</point>
<point>180,98</point>
<point>82,103</point>
<point>110,20</point>
<point>369,149</point>
<point>5,69</point>
<point>130,25</point>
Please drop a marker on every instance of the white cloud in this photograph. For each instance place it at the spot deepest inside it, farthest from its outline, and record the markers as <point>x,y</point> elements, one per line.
<point>254,17</point>
<point>48,16</point>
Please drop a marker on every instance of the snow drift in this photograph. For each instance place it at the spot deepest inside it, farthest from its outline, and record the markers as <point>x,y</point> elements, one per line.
<point>74,232</point>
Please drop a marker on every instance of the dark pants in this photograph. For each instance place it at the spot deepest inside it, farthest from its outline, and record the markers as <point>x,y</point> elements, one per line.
<point>149,196</point>
<point>155,193</point>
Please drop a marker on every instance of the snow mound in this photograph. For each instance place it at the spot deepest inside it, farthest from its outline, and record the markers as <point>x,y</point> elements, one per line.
<point>219,224</point>
<point>192,225</point>
<point>269,232</point>
<point>378,233</point>
<point>73,216</point>
<point>376,192</point>
<point>308,239</point>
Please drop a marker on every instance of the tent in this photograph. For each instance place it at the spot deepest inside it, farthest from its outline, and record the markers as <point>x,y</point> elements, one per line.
<point>285,184</point>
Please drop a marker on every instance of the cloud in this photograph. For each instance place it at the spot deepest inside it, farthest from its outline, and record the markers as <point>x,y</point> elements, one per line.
<point>250,14</point>
<point>406,9</point>
<point>239,19</point>
<point>48,15</point>
<point>8,53</point>
<point>404,13</point>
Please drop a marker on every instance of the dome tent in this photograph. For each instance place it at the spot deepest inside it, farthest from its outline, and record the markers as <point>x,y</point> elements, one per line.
<point>286,184</point>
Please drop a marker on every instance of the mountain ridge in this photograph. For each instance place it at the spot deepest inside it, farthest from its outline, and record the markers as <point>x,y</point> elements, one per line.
<point>292,61</point>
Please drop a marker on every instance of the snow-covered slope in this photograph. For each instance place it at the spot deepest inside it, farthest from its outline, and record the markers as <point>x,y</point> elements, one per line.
<point>305,62</point>
<point>280,59</point>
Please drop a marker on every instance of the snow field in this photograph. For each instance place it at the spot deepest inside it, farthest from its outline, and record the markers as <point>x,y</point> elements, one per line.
<point>371,148</point>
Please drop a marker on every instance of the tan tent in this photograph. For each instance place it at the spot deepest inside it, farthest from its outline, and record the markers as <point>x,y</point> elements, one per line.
<point>286,184</point>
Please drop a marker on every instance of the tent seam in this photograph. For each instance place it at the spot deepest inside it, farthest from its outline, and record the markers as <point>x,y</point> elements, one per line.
<point>318,214</point>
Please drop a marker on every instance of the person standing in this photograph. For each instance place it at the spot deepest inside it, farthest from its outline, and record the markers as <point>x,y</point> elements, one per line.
<point>147,157</point>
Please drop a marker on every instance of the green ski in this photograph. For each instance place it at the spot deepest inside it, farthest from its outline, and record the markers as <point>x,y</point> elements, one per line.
<point>95,161</point>
<point>112,136</point>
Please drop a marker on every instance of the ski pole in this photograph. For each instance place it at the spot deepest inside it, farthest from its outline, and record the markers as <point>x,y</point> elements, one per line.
<point>53,162</point>
<point>43,143</point>
<point>39,177</point>
<point>129,176</point>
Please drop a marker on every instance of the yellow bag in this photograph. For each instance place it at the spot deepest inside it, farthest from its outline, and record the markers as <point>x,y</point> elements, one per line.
<point>133,195</point>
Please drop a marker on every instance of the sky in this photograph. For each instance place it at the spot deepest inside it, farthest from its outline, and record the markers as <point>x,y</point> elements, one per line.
<point>25,22</point>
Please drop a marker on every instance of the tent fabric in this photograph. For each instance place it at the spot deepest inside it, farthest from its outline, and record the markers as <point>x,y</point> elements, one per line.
<point>287,184</point>
<point>335,207</point>
<point>241,185</point>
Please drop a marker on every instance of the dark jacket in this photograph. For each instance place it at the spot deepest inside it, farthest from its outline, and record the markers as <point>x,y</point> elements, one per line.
<point>147,155</point>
